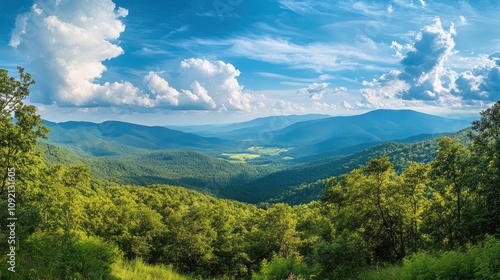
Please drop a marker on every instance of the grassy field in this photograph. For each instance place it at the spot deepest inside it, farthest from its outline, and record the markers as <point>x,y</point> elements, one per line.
<point>243,157</point>
<point>270,151</point>
<point>256,153</point>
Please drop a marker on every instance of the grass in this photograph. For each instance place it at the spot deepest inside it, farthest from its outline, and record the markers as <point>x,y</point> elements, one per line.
<point>269,151</point>
<point>243,157</point>
<point>255,153</point>
<point>137,269</point>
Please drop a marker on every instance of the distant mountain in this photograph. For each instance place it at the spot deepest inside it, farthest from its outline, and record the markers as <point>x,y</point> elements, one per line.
<point>112,138</point>
<point>249,129</point>
<point>334,133</point>
<point>299,183</point>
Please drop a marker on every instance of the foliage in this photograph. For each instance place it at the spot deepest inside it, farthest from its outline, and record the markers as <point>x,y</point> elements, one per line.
<point>478,262</point>
<point>20,127</point>
<point>188,169</point>
<point>283,268</point>
<point>137,269</point>
<point>46,256</point>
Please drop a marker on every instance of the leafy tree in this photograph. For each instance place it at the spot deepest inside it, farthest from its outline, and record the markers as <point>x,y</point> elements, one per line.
<point>415,179</point>
<point>449,177</point>
<point>275,233</point>
<point>486,150</point>
<point>387,196</point>
<point>20,127</point>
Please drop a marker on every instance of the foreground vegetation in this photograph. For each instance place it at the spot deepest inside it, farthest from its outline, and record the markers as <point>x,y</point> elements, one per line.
<point>480,261</point>
<point>423,221</point>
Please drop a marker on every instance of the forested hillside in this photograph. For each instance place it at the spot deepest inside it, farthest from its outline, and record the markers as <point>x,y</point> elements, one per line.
<point>185,168</point>
<point>304,183</point>
<point>388,218</point>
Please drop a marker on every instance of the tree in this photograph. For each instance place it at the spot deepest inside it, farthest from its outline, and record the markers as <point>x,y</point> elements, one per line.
<point>485,136</point>
<point>449,177</point>
<point>20,127</point>
<point>388,196</point>
<point>372,204</point>
<point>415,179</point>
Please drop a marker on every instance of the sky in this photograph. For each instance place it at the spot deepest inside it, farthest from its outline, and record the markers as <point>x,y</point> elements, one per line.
<point>222,61</point>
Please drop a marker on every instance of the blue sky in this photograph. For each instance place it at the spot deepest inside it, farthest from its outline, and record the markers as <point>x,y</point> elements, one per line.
<point>219,61</point>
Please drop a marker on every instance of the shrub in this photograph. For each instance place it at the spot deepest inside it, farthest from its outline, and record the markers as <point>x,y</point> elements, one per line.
<point>65,257</point>
<point>282,268</point>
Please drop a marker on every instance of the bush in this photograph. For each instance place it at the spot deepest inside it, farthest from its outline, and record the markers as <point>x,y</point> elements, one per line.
<point>487,259</point>
<point>343,258</point>
<point>282,268</point>
<point>478,262</point>
<point>65,257</point>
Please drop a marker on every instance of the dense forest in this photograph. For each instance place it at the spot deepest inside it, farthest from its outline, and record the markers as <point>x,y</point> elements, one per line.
<point>417,220</point>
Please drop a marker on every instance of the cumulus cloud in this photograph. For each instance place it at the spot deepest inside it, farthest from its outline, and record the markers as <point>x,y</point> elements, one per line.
<point>66,43</point>
<point>201,84</point>
<point>339,89</point>
<point>424,77</point>
<point>287,106</point>
<point>482,82</point>
<point>423,67</point>
<point>315,91</point>
<point>160,88</point>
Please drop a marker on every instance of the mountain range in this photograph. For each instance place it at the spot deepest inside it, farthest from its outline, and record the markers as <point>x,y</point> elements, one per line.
<point>288,163</point>
<point>302,135</point>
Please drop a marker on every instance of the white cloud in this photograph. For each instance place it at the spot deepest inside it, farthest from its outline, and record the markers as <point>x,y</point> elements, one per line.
<point>181,29</point>
<point>161,89</point>
<point>323,106</point>
<point>463,20</point>
<point>339,89</point>
<point>66,43</point>
<point>407,3</point>
<point>297,6</point>
<point>482,82</point>
<point>425,78</point>
<point>320,57</point>
<point>424,68</point>
<point>315,91</point>
<point>203,85</point>
<point>287,107</point>
<point>346,105</point>
<point>220,79</point>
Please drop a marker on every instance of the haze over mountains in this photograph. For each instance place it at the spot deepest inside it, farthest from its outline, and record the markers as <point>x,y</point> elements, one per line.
<point>301,135</point>
<point>113,138</point>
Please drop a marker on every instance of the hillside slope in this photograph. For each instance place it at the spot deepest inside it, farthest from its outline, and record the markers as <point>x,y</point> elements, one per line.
<point>180,168</point>
<point>334,133</point>
<point>114,138</point>
<point>303,183</point>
